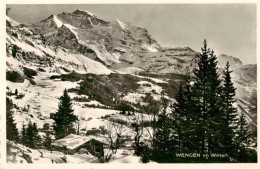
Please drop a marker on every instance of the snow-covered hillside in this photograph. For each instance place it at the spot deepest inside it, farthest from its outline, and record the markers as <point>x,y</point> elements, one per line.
<point>103,65</point>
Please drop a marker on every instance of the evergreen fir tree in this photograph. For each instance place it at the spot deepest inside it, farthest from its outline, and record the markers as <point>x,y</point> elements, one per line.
<point>214,103</point>
<point>162,132</point>
<point>11,129</point>
<point>178,111</point>
<point>242,140</point>
<point>162,136</point>
<point>32,137</point>
<point>16,92</point>
<point>229,117</point>
<point>64,117</point>
<point>36,136</point>
<point>188,118</point>
<point>14,51</point>
<point>47,141</point>
<point>206,102</point>
<point>29,135</point>
<point>181,118</point>
<point>23,136</point>
<point>189,125</point>
<point>200,100</point>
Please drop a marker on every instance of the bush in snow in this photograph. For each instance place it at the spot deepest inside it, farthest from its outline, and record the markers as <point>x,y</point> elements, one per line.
<point>29,72</point>
<point>14,76</point>
<point>14,51</point>
<point>11,129</point>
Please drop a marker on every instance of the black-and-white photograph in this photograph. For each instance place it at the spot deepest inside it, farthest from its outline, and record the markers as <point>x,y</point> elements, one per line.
<point>131,83</point>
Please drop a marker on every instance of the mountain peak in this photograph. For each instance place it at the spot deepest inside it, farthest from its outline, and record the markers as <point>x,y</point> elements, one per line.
<point>81,19</point>
<point>47,19</point>
<point>234,62</point>
<point>230,58</point>
<point>83,12</point>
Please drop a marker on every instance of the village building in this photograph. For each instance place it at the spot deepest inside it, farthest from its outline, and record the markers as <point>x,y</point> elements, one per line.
<point>72,144</point>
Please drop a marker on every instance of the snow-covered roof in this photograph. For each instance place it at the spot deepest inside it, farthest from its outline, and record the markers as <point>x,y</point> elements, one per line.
<point>73,141</point>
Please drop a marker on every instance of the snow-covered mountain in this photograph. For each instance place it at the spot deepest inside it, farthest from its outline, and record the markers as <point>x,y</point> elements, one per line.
<point>115,44</point>
<point>116,60</point>
<point>112,42</point>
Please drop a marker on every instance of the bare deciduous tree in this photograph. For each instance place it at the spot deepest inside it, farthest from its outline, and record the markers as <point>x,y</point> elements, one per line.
<point>152,109</point>
<point>114,131</point>
<point>78,124</point>
<point>137,123</point>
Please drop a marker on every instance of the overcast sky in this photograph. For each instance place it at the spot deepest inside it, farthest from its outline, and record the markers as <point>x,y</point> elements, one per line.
<point>229,28</point>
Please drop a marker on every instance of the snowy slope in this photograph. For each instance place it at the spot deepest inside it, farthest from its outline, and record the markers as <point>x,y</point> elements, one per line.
<point>60,56</point>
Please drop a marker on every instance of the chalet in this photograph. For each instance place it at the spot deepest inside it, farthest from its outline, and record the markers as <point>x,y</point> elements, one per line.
<point>72,144</point>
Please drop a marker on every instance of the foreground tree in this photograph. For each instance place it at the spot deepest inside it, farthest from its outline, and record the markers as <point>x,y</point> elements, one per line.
<point>11,129</point>
<point>137,123</point>
<point>182,118</point>
<point>162,132</point>
<point>163,145</point>
<point>114,132</point>
<point>64,117</point>
<point>242,140</point>
<point>214,107</point>
<point>47,141</point>
<point>151,108</point>
<point>30,136</point>
<point>179,108</point>
<point>229,114</point>
<point>16,92</point>
<point>14,51</point>
<point>23,136</point>
<point>200,98</point>
<point>205,104</point>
